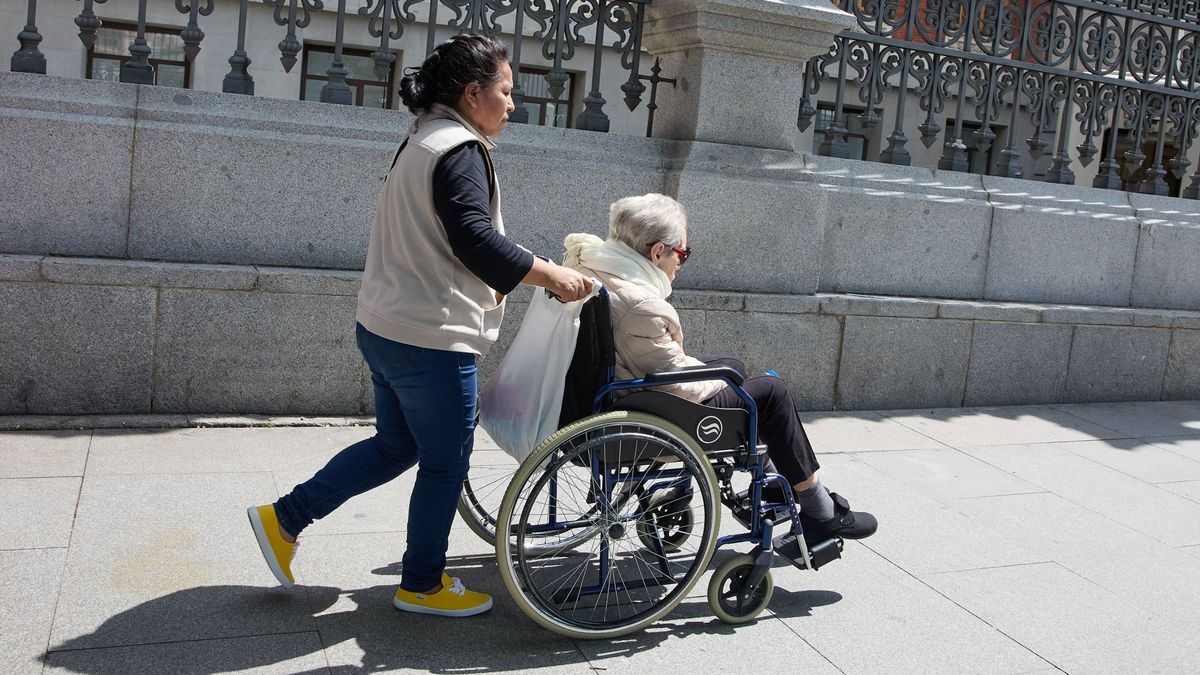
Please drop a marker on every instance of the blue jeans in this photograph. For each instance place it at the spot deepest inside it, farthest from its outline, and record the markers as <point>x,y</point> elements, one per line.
<point>424,415</point>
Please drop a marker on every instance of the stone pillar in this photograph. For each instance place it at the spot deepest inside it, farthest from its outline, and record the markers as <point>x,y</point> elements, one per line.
<point>738,66</point>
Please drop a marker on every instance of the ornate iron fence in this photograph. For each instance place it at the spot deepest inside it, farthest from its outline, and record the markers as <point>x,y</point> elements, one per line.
<point>558,26</point>
<point>1101,67</point>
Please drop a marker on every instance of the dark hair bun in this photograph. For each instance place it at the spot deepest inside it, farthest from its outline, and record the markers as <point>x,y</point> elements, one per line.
<point>449,68</point>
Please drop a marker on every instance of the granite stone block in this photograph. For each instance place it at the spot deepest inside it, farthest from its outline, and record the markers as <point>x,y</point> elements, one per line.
<point>909,179</point>
<point>1117,364</point>
<point>101,272</point>
<point>75,349</point>
<point>19,267</point>
<point>864,305</point>
<point>1166,274</point>
<point>1154,318</point>
<point>782,304</point>
<point>1049,255</point>
<point>1183,366</point>
<point>725,302</point>
<point>890,363</point>
<point>786,219</point>
<point>989,311</point>
<point>267,353</point>
<point>1056,198</point>
<point>282,200</point>
<point>802,348</point>
<point>1098,316</point>
<point>694,324</point>
<point>70,195</point>
<point>1186,320</point>
<point>309,281</point>
<point>1155,207</point>
<point>891,242</point>
<point>550,193</point>
<point>1017,363</point>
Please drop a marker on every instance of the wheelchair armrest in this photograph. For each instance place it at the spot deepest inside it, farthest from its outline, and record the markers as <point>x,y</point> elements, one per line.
<point>694,374</point>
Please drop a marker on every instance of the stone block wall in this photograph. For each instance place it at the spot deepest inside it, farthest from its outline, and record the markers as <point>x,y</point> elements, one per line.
<point>168,251</point>
<point>107,336</point>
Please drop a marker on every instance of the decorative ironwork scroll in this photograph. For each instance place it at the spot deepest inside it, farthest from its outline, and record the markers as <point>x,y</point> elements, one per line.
<point>1111,71</point>
<point>559,29</point>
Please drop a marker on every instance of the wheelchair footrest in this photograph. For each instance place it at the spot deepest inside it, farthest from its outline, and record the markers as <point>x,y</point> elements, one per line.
<point>788,546</point>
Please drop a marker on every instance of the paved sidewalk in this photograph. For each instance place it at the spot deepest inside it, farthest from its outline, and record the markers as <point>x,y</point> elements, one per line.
<point>1012,540</point>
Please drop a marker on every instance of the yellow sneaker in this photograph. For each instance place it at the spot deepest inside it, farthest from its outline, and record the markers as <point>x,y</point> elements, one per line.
<point>277,552</point>
<point>453,600</point>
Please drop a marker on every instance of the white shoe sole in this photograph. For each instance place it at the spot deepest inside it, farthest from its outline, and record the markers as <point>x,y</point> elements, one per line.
<point>422,609</point>
<point>264,544</point>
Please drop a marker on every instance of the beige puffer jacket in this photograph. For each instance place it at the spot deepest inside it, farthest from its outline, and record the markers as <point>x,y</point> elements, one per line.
<point>648,337</point>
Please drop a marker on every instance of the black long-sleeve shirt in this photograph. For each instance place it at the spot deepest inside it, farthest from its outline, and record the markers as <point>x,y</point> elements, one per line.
<point>462,197</point>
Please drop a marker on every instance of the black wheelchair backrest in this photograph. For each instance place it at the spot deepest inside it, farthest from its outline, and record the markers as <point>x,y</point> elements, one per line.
<point>592,362</point>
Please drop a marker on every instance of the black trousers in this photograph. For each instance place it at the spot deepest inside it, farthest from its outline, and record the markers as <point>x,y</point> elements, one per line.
<point>778,424</point>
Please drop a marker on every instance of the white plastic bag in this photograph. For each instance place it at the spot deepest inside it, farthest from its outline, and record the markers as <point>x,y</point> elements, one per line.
<point>520,404</point>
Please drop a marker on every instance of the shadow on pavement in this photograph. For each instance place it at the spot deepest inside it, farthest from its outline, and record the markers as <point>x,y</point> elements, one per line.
<point>211,629</point>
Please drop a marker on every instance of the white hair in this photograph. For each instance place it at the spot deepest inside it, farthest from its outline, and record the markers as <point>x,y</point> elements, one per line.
<point>641,222</point>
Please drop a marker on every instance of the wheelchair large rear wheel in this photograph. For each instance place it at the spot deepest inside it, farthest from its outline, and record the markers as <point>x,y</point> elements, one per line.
<point>596,476</point>
<point>483,490</point>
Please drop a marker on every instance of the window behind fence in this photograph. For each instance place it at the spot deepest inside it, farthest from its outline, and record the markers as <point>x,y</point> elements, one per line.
<point>111,49</point>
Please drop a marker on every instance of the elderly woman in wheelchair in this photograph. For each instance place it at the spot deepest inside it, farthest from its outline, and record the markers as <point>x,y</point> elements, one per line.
<point>612,520</point>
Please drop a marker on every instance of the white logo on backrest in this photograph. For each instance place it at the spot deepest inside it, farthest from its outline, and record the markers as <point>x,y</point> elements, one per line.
<point>709,429</point>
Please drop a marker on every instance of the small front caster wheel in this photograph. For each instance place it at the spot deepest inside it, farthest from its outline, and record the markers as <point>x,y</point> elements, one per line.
<point>727,593</point>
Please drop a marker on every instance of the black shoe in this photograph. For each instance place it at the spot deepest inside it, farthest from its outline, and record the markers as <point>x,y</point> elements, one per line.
<point>845,523</point>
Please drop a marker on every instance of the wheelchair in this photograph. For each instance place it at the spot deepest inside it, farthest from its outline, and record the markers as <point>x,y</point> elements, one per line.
<point>610,522</point>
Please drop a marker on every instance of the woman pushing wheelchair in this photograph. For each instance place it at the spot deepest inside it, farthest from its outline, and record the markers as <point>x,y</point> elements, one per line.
<point>646,246</point>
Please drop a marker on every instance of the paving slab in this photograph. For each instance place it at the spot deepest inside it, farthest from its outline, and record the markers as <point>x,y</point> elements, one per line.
<point>1068,621</point>
<point>1187,446</point>
<point>1123,561</point>
<point>692,640</point>
<point>946,473</point>
<point>1139,459</point>
<point>1189,489</point>
<point>867,615</point>
<point>296,449</point>
<point>284,653</point>
<point>37,512</point>
<point>43,454</point>
<point>959,427</point>
<point>1142,507</point>
<point>1165,418</point>
<point>28,587</point>
<point>861,431</point>
<point>170,558</point>
<point>363,632</point>
<point>917,531</point>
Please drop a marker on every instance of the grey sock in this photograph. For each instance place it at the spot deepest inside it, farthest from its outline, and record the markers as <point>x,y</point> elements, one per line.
<point>815,502</point>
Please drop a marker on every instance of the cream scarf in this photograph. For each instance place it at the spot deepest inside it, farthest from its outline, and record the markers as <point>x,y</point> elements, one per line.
<point>615,258</point>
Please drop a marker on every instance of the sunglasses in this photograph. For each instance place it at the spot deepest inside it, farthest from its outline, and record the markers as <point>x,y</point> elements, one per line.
<point>683,253</point>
